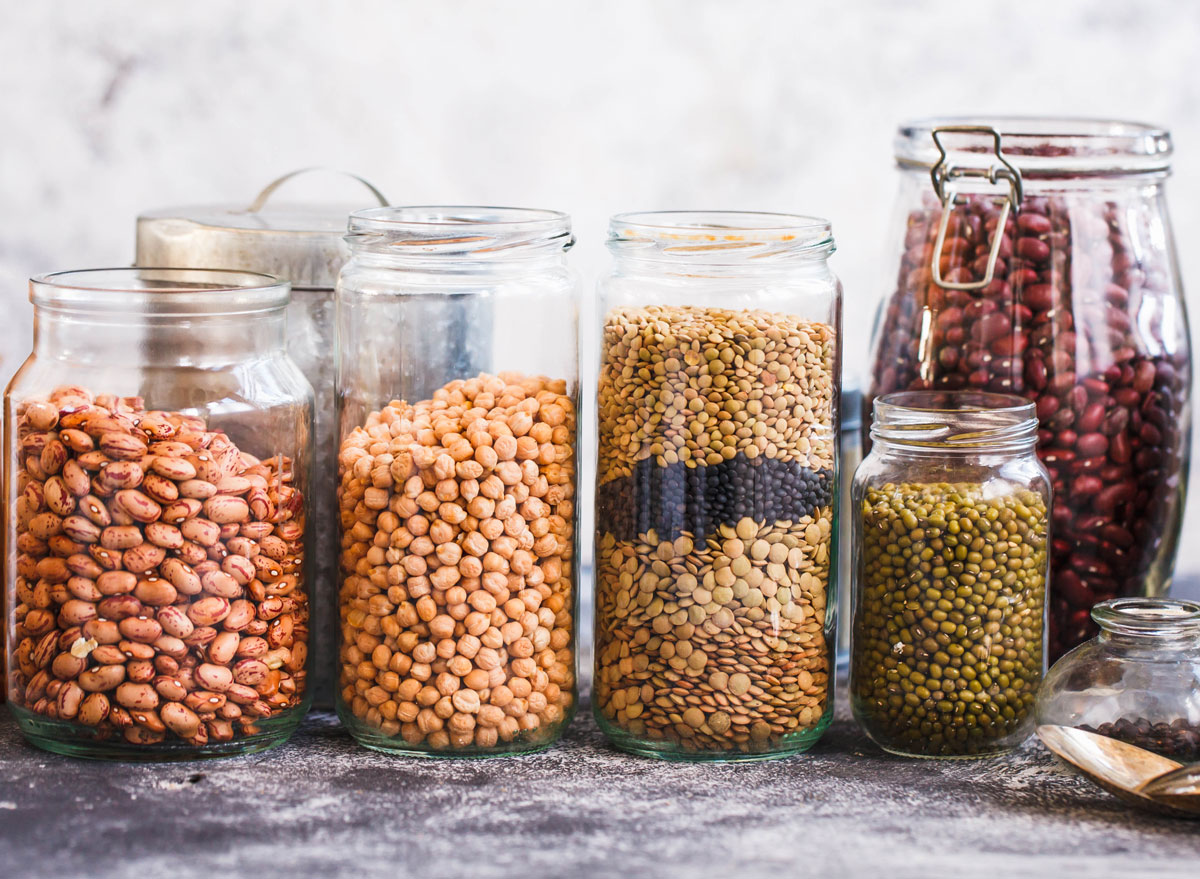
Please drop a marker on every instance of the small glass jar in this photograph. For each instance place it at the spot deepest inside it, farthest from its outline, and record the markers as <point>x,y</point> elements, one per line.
<point>299,242</point>
<point>1137,681</point>
<point>951,522</point>
<point>458,399</point>
<point>1035,257</point>
<point>716,486</point>
<point>157,464</point>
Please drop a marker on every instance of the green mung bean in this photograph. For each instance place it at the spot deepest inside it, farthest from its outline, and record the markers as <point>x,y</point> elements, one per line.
<point>948,628</point>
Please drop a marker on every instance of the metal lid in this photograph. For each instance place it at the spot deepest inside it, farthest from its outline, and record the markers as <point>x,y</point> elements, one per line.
<point>301,243</point>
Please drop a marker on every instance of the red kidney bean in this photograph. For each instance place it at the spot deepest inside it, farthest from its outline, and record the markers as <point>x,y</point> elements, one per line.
<point>1111,421</point>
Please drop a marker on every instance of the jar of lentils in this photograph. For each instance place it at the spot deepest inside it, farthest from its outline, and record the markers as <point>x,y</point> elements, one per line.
<point>1039,261</point>
<point>951,520</point>
<point>716,485</point>
<point>156,483</point>
<point>458,404</point>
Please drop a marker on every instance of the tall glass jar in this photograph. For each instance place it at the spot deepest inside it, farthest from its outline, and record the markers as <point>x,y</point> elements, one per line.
<point>1137,681</point>
<point>300,242</point>
<point>951,530</point>
<point>458,399</point>
<point>157,457</point>
<point>716,485</point>
<point>1039,261</point>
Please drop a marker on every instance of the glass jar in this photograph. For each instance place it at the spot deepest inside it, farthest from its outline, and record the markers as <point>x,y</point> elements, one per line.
<point>1076,305</point>
<point>851,447</point>
<point>1137,681</point>
<point>951,521</point>
<point>300,243</point>
<point>716,485</point>
<point>157,469</point>
<point>458,399</point>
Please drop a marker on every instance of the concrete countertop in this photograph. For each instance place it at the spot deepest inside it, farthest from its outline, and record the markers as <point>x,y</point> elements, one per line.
<point>320,805</point>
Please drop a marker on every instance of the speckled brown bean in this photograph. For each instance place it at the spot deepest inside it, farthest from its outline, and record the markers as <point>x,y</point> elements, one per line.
<point>139,575</point>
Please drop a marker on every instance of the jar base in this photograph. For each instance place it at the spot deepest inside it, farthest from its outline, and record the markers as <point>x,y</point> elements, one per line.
<point>71,740</point>
<point>796,743</point>
<point>394,746</point>
<point>998,751</point>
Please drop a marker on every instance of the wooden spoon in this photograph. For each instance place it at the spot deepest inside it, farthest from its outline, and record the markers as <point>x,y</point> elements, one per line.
<point>1121,769</point>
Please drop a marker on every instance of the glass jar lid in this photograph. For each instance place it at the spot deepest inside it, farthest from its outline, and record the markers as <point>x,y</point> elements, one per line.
<point>301,242</point>
<point>1041,147</point>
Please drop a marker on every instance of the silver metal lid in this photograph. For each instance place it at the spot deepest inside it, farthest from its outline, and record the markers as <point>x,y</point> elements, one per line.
<point>301,243</point>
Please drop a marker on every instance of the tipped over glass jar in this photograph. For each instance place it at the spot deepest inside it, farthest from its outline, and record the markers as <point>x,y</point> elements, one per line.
<point>1040,262</point>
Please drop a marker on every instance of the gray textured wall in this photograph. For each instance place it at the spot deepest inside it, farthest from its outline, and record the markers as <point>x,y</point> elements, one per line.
<point>108,109</point>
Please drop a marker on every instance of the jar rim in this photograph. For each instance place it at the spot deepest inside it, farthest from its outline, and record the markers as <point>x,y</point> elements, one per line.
<point>177,292</point>
<point>965,422</point>
<point>464,231</point>
<point>720,237</point>
<point>1044,146</point>
<point>1148,616</point>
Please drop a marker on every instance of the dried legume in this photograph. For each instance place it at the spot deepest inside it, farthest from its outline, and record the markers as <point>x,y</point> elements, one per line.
<point>947,635</point>
<point>714,523</point>
<point>458,569</point>
<point>1066,323</point>
<point>143,610</point>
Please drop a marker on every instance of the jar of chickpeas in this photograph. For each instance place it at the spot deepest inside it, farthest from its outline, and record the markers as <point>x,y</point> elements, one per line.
<point>458,396</point>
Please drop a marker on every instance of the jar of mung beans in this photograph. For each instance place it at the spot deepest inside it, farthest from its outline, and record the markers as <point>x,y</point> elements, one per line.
<point>156,492</point>
<point>717,485</point>
<point>1137,681</point>
<point>1039,261</point>
<point>951,516</point>
<point>457,478</point>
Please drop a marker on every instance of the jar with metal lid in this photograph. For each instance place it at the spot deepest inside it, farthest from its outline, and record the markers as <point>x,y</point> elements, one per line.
<point>1137,681</point>
<point>301,243</point>
<point>951,527</point>
<point>458,466</point>
<point>157,463</point>
<point>716,485</point>
<point>1039,261</point>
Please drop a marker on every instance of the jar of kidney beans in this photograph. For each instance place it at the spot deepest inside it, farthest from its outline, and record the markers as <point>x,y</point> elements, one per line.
<point>1035,257</point>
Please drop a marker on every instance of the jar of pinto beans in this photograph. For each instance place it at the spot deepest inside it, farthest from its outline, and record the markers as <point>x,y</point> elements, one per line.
<point>457,479</point>
<point>1034,256</point>
<point>156,479</point>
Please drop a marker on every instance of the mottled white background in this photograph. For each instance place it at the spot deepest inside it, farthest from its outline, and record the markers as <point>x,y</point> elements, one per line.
<point>111,108</point>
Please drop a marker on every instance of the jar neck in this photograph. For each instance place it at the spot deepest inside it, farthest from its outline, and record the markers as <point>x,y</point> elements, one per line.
<point>1139,624</point>
<point>720,244</point>
<point>959,425</point>
<point>159,340</point>
<point>371,256</point>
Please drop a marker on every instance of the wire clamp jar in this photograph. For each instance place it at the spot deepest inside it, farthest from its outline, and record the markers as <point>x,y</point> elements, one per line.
<point>944,174</point>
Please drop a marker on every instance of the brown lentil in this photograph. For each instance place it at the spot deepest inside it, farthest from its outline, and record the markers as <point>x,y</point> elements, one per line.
<point>458,548</point>
<point>947,634</point>
<point>124,617</point>
<point>714,524</point>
